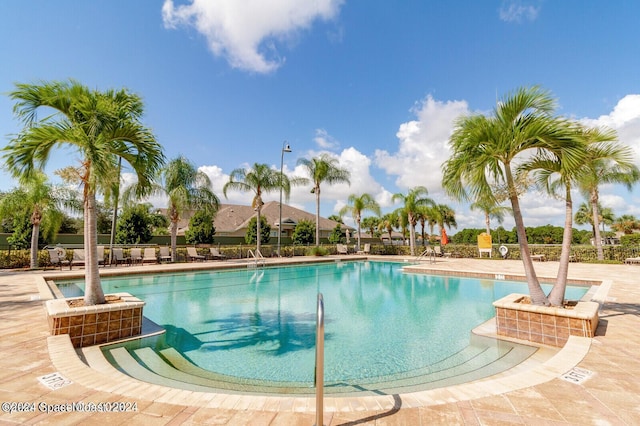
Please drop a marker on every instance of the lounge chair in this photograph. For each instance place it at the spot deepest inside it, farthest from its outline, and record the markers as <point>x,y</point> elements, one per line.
<point>193,254</point>
<point>136,255</point>
<point>365,250</point>
<point>632,260</point>
<point>165,255</point>
<point>438,252</point>
<point>342,249</point>
<point>149,255</point>
<point>538,257</point>
<point>78,257</point>
<point>118,256</point>
<point>100,255</point>
<point>215,254</point>
<point>57,257</point>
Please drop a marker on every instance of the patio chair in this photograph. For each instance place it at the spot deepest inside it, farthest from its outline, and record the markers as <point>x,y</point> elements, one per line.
<point>438,251</point>
<point>165,255</point>
<point>149,255</point>
<point>342,249</point>
<point>365,250</point>
<point>100,255</point>
<point>632,260</point>
<point>118,256</point>
<point>57,257</point>
<point>136,255</point>
<point>193,254</point>
<point>78,257</point>
<point>215,254</point>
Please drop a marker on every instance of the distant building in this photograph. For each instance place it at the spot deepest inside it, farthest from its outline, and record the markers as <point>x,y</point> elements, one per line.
<point>232,220</point>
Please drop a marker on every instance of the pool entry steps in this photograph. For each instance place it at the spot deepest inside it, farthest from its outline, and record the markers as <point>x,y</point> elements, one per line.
<point>152,362</point>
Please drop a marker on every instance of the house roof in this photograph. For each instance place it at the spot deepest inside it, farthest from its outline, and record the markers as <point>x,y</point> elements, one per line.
<point>231,218</point>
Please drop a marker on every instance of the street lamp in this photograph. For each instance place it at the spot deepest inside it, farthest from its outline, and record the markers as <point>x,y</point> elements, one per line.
<point>285,148</point>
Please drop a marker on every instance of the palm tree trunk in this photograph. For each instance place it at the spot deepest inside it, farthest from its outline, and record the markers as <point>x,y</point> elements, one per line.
<point>358,248</point>
<point>535,290</point>
<point>174,240</point>
<point>93,294</point>
<point>487,222</point>
<point>596,225</point>
<point>35,230</point>
<point>258,231</point>
<point>412,235</point>
<point>556,296</point>
<point>317,192</point>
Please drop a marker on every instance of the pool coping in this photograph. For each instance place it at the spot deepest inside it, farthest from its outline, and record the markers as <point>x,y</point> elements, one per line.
<point>107,378</point>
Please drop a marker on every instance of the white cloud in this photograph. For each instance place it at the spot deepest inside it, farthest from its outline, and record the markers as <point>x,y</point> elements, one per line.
<point>245,32</point>
<point>325,141</point>
<point>423,145</point>
<point>517,11</point>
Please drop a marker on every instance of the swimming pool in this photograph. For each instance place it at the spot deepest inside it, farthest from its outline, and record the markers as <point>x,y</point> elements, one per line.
<point>255,328</point>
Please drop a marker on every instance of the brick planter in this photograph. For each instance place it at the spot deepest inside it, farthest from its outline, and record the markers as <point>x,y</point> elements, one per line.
<point>544,324</point>
<point>93,325</point>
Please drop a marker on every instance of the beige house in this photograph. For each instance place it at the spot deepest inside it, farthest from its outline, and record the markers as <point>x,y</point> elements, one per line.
<point>232,220</point>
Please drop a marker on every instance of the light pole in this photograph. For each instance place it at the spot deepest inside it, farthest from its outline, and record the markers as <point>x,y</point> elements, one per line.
<point>285,148</point>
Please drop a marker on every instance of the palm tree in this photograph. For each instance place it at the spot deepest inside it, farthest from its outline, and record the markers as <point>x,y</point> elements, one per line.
<point>415,198</point>
<point>357,205</point>
<point>44,204</point>
<point>102,127</point>
<point>260,180</point>
<point>445,216</point>
<point>606,162</point>
<point>485,149</point>
<point>491,210</point>
<point>323,169</point>
<point>387,223</point>
<point>626,223</point>
<point>187,189</point>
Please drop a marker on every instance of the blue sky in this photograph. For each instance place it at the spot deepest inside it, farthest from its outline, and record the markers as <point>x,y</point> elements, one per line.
<point>375,83</point>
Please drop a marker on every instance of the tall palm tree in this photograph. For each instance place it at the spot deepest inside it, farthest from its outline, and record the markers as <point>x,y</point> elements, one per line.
<point>323,169</point>
<point>412,201</point>
<point>187,189</point>
<point>446,216</point>
<point>43,203</point>
<point>357,205</point>
<point>626,223</point>
<point>584,216</point>
<point>486,149</point>
<point>606,162</point>
<point>260,180</point>
<point>102,127</point>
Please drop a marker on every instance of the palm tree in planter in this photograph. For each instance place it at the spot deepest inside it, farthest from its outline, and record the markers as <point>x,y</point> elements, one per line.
<point>485,151</point>
<point>101,127</point>
<point>323,169</point>
<point>260,179</point>
<point>357,205</point>
<point>44,204</point>
<point>187,188</point>
<point>413,201</point>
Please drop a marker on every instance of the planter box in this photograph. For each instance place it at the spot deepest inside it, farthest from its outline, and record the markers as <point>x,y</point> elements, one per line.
<point>93,325</point>
<point>544,324</point>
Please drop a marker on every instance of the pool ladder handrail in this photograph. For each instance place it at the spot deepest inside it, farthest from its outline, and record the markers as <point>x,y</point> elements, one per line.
<point>257,257</point>
<point>431,253</point>
<point>319,374</point>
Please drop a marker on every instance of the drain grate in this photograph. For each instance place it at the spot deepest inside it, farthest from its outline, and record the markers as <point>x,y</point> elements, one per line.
<point>577,375</point>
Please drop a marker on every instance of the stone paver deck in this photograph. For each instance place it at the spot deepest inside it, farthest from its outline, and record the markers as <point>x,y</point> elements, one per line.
<point>611,396</point>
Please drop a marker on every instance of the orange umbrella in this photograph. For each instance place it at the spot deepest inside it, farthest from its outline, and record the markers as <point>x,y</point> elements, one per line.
<point>444,239</point>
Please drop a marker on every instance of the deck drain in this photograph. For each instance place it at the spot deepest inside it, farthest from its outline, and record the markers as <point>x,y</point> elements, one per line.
<point>577,375</point>
<point>54,380</point>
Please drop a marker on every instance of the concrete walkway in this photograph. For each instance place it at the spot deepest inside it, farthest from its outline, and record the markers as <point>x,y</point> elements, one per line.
<point>610,396</point>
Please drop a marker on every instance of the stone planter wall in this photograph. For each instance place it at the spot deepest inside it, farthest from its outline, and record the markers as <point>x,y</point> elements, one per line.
<point>544,324</point>
<point>93,325</point>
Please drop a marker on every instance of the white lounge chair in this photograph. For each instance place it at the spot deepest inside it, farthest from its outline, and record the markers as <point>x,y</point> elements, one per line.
<point>118,256</point>
<point>632,260</point>
<point>149,255</point>
<point>215,254</point>
<point>165,255</point>
<point>193,254</point>
<point>78,257</point>
<point>136,255</point>
<point>365,250</point>
<point>342,249</point>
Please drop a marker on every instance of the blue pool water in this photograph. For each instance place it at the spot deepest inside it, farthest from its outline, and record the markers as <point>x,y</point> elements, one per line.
<point>259,324</point>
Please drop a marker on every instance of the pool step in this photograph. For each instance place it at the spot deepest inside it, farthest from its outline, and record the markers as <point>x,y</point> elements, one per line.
<point>170,368</point>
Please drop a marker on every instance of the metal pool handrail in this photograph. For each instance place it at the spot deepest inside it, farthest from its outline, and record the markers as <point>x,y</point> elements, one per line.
<point>319,378</point>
